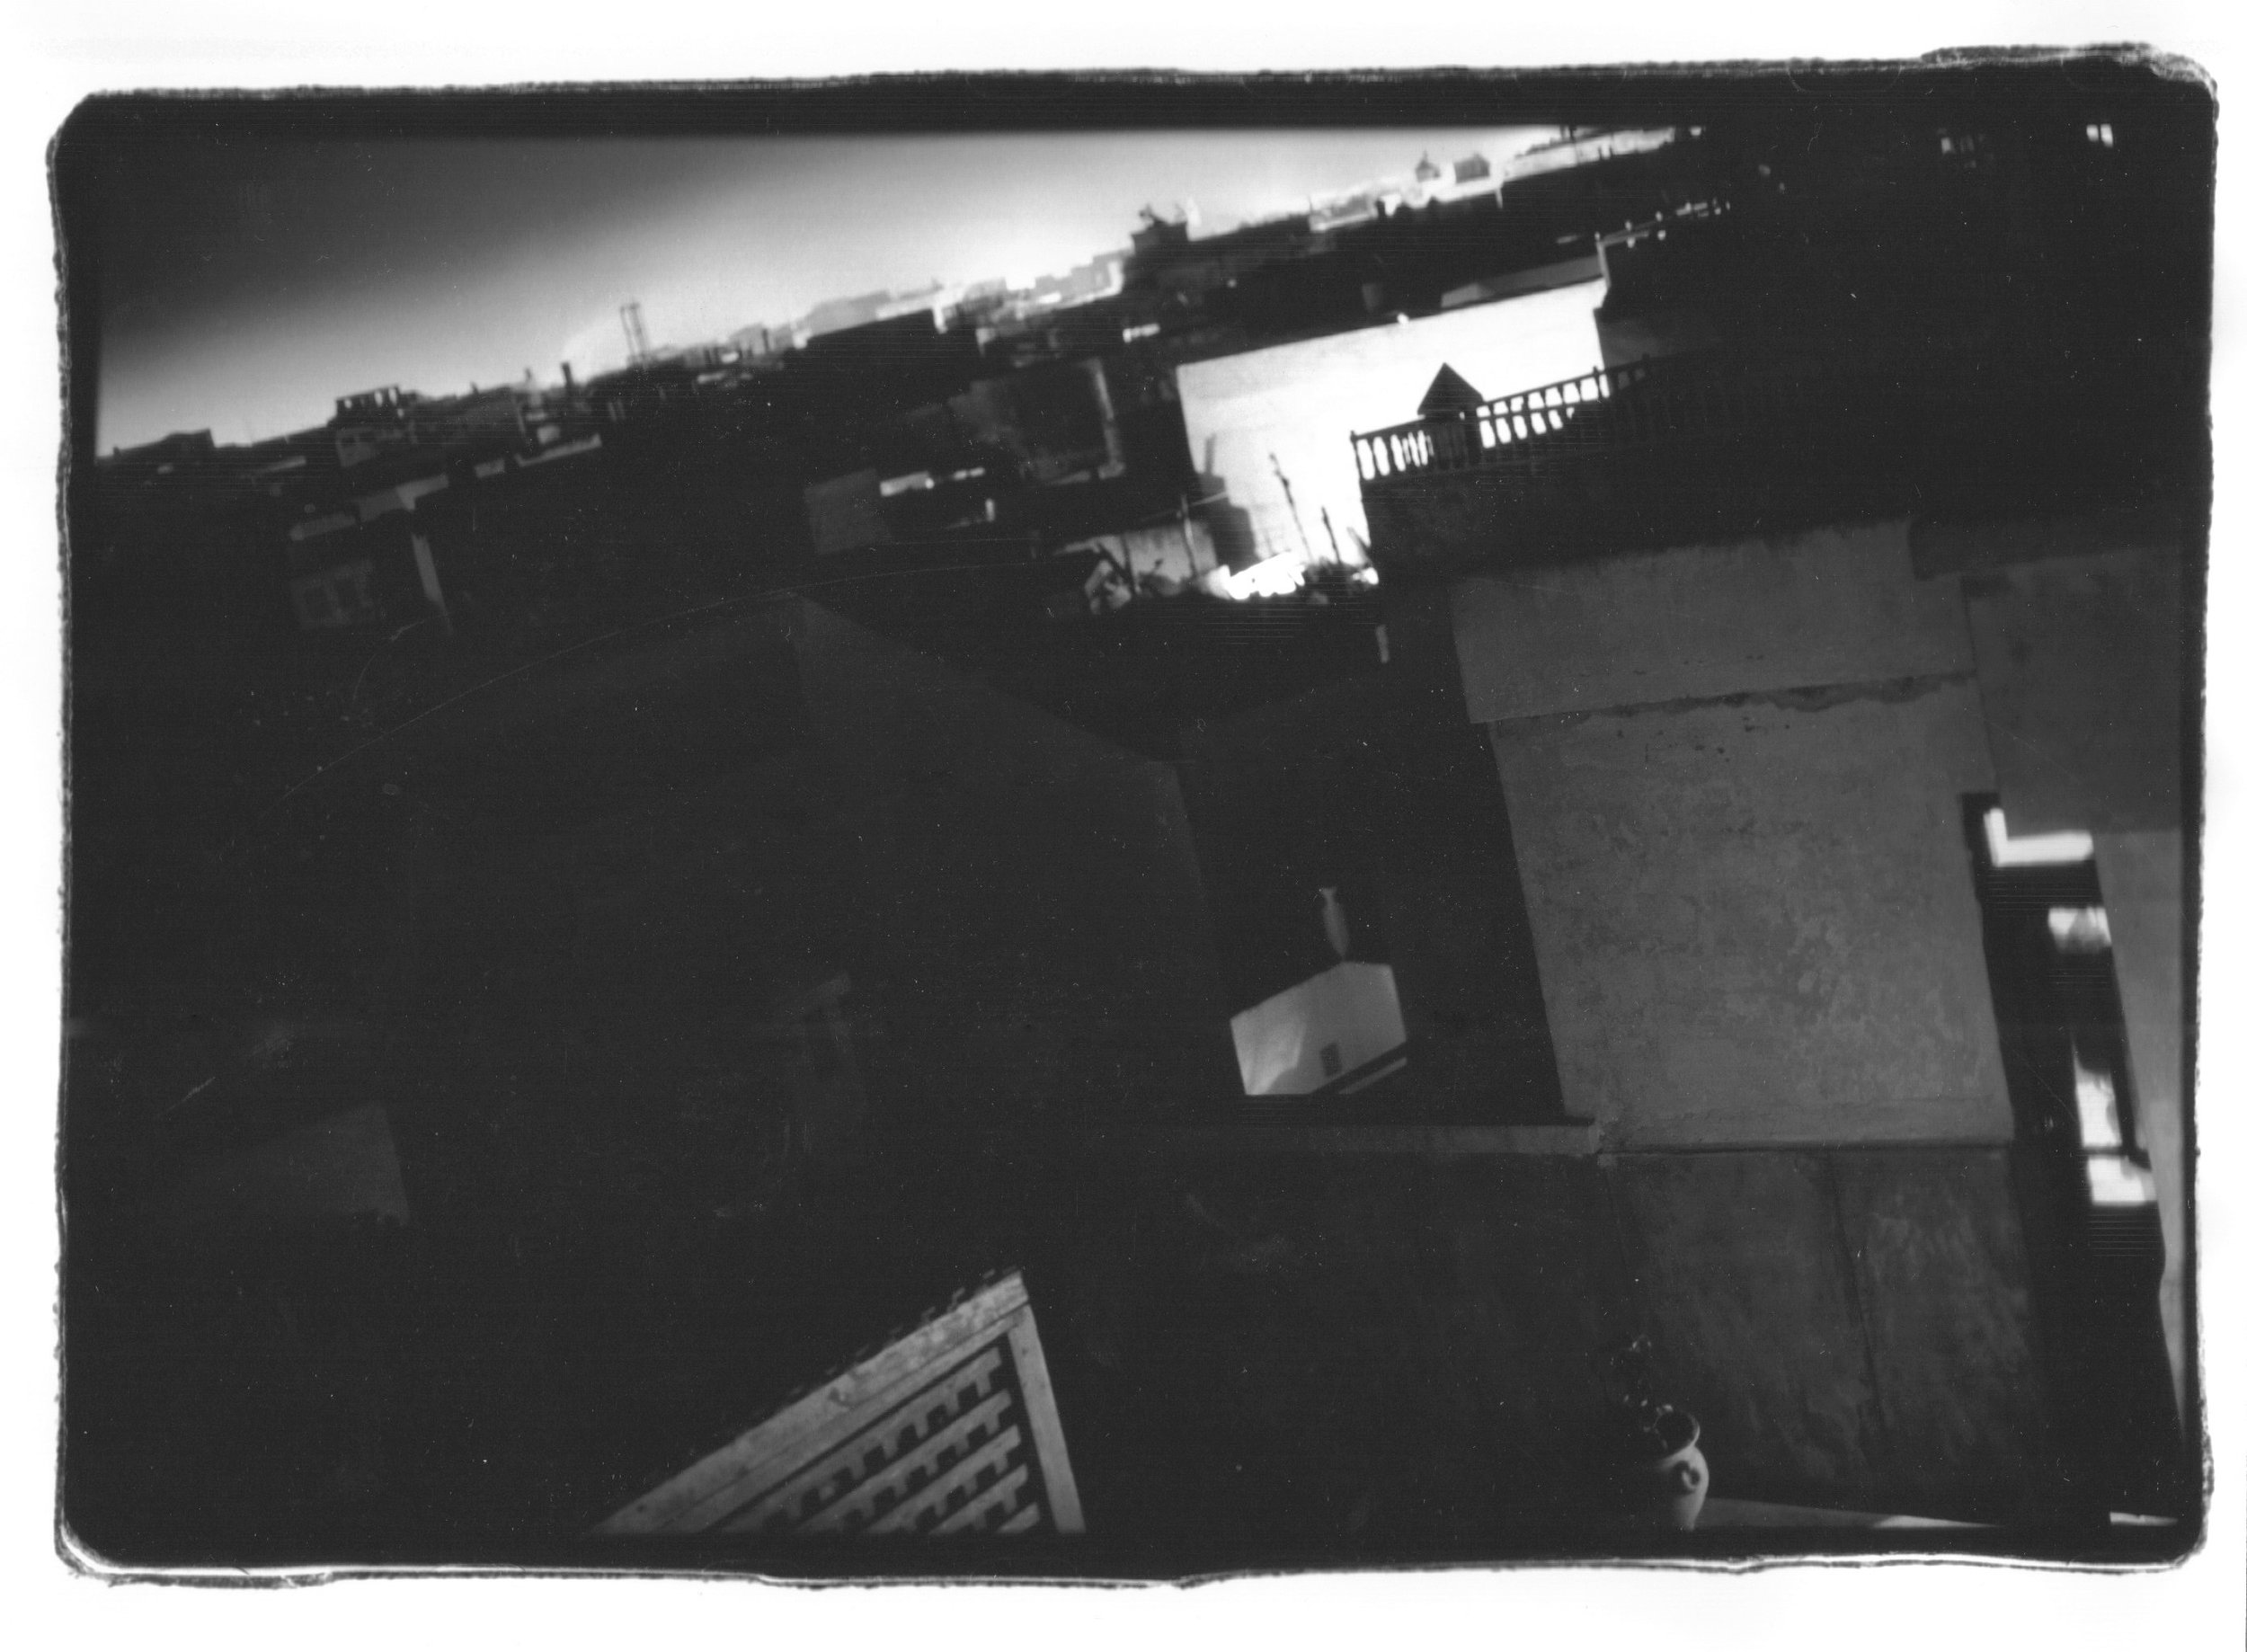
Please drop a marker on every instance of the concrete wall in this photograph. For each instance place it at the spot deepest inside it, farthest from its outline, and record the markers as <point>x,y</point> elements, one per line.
<point>1754,917</point>
<point>1733,773</point>
<point>1033,895</point>
<point>1834,606</point>
<point>2081,659</point>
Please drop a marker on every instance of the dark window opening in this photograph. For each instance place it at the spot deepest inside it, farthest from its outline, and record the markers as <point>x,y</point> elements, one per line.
<point>2083,1178</point>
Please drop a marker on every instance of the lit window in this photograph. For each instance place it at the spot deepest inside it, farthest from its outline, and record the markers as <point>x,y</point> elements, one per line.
<point>2079,928</point>
<point>2115,1180</point>
<point>2097,1115</point>
<point>2051,848</point>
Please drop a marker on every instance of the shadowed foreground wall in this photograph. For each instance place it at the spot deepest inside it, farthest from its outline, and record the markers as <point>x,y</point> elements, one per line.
<point>1896,1284</point>
<point>1353,1350</point>
<point>1043,944</point>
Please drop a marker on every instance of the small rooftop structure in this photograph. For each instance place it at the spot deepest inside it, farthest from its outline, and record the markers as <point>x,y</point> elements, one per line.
<point>1449,392</point>
<point>389,402</point>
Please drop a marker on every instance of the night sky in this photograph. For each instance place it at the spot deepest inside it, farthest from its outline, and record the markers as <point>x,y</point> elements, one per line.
<point>244,285</point>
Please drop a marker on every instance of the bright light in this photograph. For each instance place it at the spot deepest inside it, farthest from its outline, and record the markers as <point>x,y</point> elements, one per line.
<point>2097,1115</point>
<point>2051,848</point>
<point>2118,1181</point>
<point>2079,928</point>
<point>1368,576</point>
<point>1274,576</point>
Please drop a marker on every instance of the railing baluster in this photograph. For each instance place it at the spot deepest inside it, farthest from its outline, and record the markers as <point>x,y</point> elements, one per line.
<point>1649,401</point>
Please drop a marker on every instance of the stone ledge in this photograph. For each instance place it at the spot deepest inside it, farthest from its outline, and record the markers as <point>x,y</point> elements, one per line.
<point>1569,1138</point>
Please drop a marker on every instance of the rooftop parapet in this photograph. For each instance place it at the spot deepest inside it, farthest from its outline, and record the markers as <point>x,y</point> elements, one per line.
<point>1682,448</point>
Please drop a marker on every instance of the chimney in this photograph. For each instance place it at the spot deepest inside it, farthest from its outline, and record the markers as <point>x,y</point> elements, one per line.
<point>568,383</point>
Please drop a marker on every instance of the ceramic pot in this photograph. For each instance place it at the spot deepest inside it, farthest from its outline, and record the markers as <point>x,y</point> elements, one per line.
<point>1669,1485</point>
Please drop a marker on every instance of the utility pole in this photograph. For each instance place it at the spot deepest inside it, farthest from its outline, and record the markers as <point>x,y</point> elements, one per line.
<point>635,345</point>
<point>1301,537</point>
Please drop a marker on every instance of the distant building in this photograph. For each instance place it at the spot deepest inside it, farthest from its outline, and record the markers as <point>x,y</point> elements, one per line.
<point>839,315</point>
<point>834,315</point>
<point>1584,148</point>
<point>161,457</point>
<point>759,342</point>
<point>371,423</point>
<point>1166,258</point>
<point>486,417</point>
<point>1096,279</point>
<point>1430,181</point>
<point>1157,233</point>
<point>1056,420</point>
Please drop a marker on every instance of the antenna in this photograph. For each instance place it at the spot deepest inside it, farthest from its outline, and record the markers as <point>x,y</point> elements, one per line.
<point>635,348</point>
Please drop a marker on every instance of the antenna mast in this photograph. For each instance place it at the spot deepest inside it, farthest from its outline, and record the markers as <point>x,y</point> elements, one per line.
<point>636,347</point>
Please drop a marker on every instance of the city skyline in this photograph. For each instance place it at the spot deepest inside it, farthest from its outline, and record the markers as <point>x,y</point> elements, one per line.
<point>244,288</point>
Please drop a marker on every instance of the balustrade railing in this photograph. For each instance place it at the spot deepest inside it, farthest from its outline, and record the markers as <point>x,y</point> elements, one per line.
<point>1701,444</point>
<point>1629,406</point>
